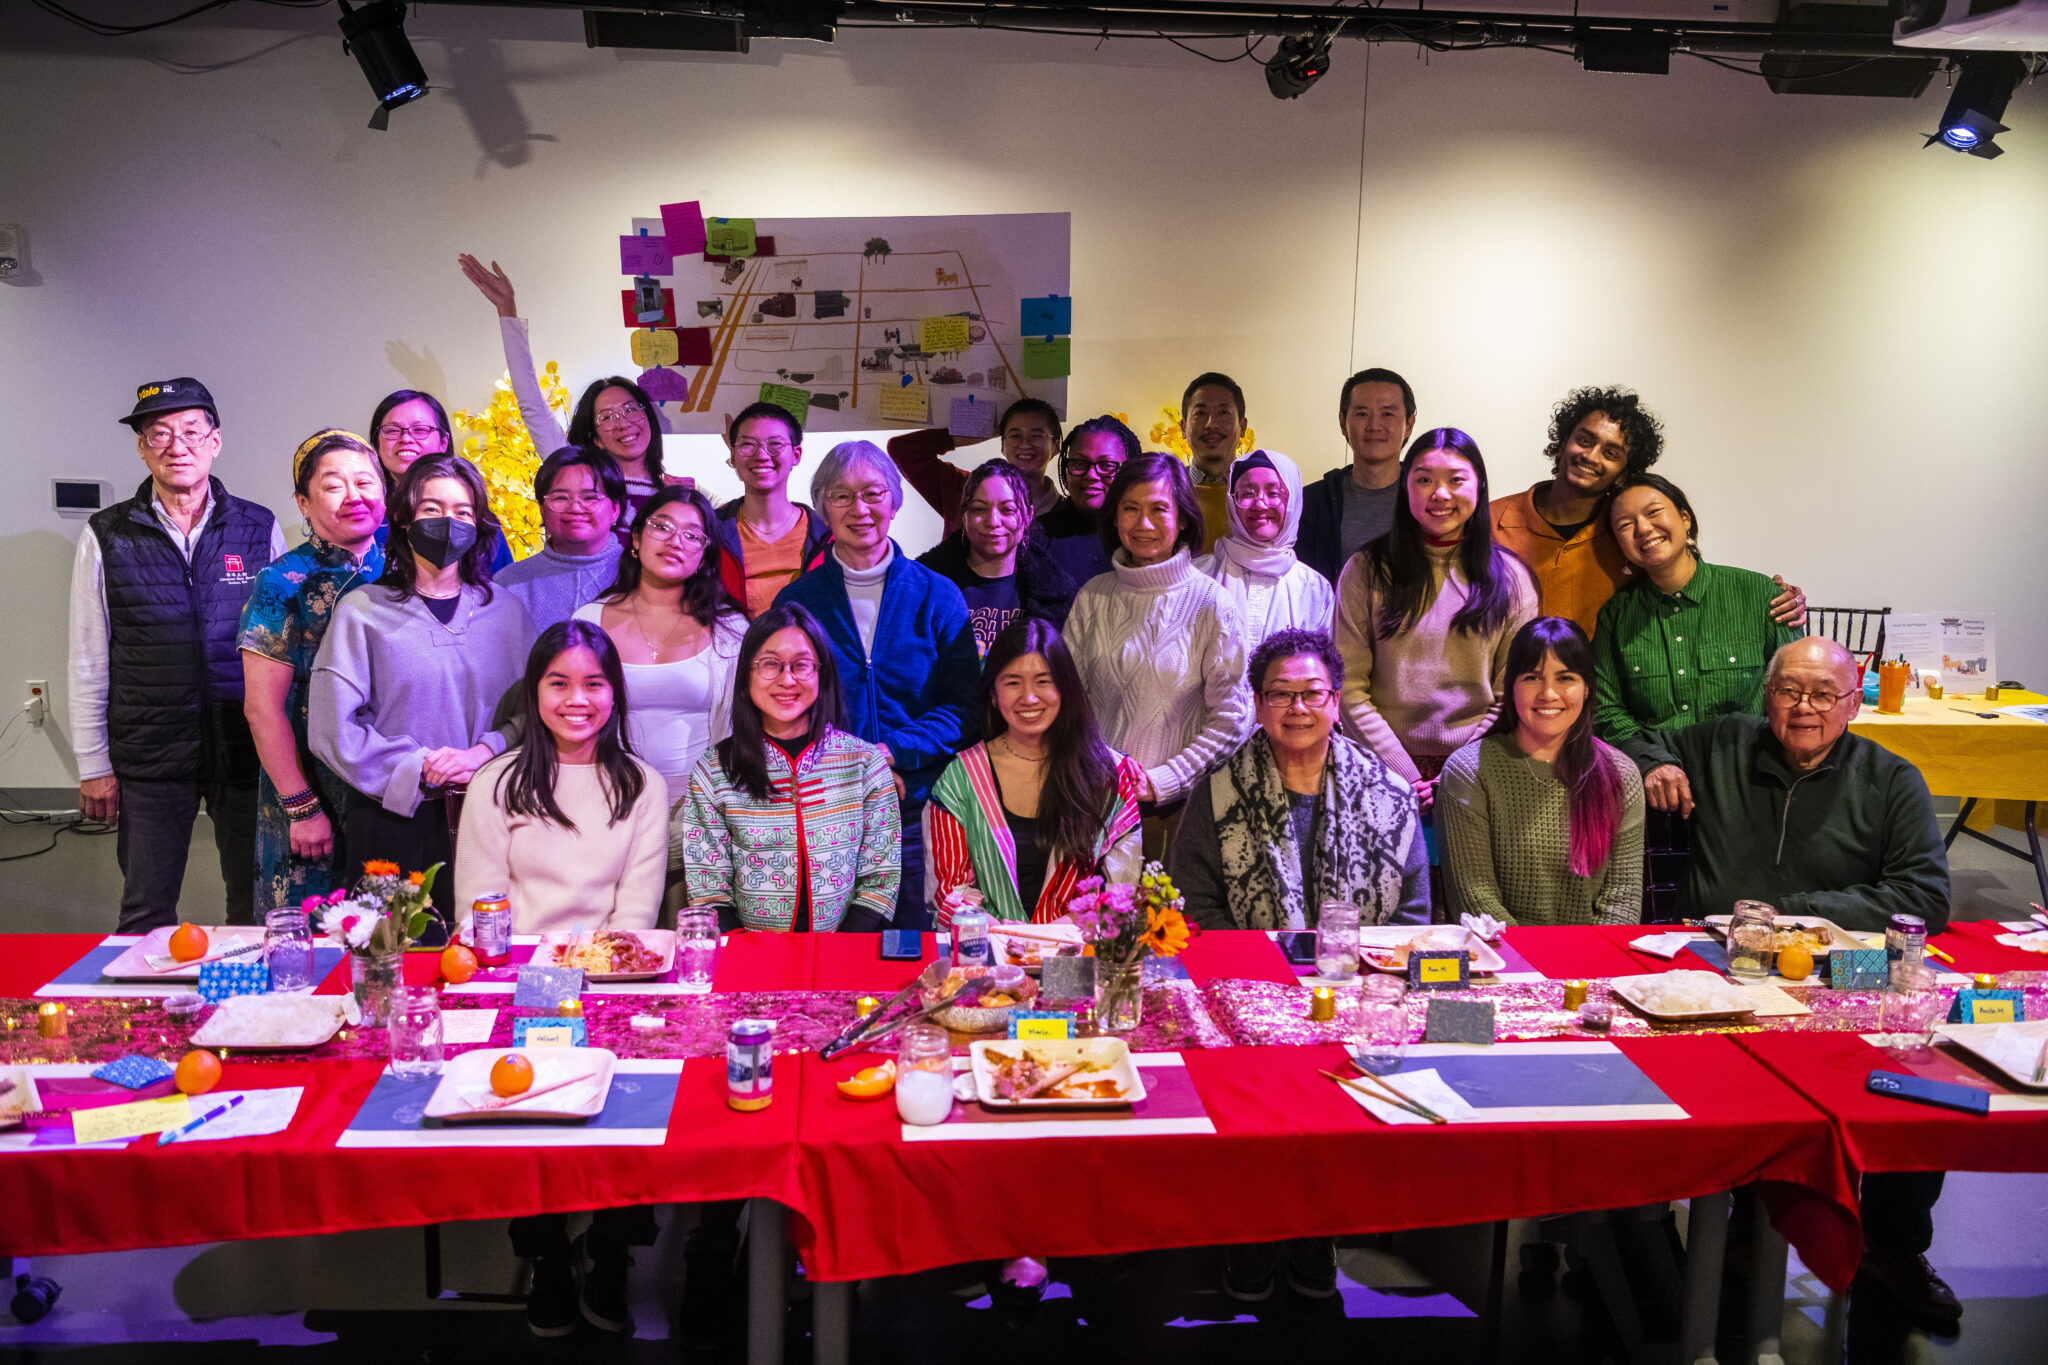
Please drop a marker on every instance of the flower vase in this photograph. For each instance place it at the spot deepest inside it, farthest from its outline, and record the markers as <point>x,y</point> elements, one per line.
<point>1119,996</point>
<point>376,977</point>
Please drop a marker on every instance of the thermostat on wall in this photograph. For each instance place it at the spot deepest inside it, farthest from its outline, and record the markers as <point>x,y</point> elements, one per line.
<point>78,497</point>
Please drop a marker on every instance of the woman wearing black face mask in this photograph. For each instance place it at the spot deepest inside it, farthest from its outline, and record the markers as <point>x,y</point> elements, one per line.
<point>411,669</point>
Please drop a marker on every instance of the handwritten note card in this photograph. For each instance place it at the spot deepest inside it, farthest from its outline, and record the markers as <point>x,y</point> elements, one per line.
<point>948,333</point>
<point>911,403</point>
<point>645,256</point>
<point>1048,359</point>
<point>113,1122</point>
<point>972,420</point>
<point>796,402</point>
<point>654,346</point>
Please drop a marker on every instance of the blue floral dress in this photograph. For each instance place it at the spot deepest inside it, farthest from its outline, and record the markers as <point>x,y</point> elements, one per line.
<point>285,618</point>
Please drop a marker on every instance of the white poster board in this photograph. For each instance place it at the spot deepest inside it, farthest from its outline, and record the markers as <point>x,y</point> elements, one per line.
<point>1964,649</point>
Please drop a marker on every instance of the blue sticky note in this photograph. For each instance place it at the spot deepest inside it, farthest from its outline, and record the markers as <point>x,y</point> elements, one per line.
<point>219,980</point>
<point>1988,1007</point>
<point>133,1072</point>
<point>1046,317</point>
<point>1859,969</point>
<point>545,988</point>
<point>549,1033</point>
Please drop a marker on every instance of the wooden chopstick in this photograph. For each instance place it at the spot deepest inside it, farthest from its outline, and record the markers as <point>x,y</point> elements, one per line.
<point>507,1101</point>
<point>1388,1086</point>
<point>2041,1065</point>
<point>1395,1100</point>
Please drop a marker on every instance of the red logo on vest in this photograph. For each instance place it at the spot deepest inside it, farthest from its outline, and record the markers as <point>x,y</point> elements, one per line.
<point>233,564</point>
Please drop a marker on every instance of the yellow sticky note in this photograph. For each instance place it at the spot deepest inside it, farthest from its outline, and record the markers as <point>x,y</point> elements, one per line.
<point>1991,1012</point>
<point>655,346</point>
<point>1041,1028</point>
<point>550,1035</point>
<point>1437,969</point>
<point>942,334</point>
<point>117,1121</point>
<point>906,404</point>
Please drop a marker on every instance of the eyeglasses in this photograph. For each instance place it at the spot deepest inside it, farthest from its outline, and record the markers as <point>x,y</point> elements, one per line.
<point>624,415</point>
<point>394,432</point>
<point>1073,465</point>
<point>1312,698</point>
<point>798,670</point>
<point>561,502</point>
<point>163,438</point>
<point>1790,697</point>
<point>661,528</point>
<point>1260,497</point>
<point>1036,436</point>
<point>774,450</point>
<point>840,499</point>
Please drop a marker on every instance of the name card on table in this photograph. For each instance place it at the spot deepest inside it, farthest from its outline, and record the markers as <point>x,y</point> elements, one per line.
<point>545,988</point>
<point>1459,1021</point>
<point>1988,1007</point>
<point>1067,978</point>
<point>1859,969</point>
<point>219,980</point>
<point>1439,969</point>
<point>113,1122</point>
<point>1037,1024</point>
<point>549,1033</point>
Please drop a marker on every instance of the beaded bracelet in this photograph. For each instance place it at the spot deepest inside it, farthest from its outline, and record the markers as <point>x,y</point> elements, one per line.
<point>301,805</point>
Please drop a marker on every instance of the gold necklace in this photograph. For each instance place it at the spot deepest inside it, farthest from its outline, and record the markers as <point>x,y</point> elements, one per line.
<point>1004,740</point>
<point>653,648</point>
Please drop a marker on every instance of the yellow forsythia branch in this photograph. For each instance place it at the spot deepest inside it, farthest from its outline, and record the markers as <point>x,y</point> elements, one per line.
<point>497,442</point>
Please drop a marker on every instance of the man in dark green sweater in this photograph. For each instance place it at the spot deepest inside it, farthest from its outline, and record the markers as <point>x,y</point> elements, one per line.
<point>1793,810</point>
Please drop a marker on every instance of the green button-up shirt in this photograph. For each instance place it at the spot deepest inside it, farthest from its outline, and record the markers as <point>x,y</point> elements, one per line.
<point>1669,660</point>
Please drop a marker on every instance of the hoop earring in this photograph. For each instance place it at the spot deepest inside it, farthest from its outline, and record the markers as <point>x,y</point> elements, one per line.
<point>306,525</point>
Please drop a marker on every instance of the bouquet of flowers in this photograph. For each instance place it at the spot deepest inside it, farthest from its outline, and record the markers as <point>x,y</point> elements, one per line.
<point>386,913</point>
<point>1124,924</point>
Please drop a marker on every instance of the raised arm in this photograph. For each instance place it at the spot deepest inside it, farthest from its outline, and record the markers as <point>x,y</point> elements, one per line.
<point>921,456</point>
<point>496,286</point>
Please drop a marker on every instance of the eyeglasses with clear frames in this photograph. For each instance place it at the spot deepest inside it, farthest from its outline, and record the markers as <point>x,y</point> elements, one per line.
<point>799,670</point>
<point>562,502</point>
<point>626,414</point>
<point>661,528</point>
<point>774,450</point>
<point>1790,697</point>
<point>1311,698</point>
<point>839,499</point>
<point>163,438</point>
<point>393,432</point>
<point>1259,497</point>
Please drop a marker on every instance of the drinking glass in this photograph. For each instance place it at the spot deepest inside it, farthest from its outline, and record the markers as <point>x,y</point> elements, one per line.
<point>1907,1012</point>
<point>288,950</point>
<point>1752,941</point>
<point>924,1075</point>
<point>1337,941</point>
<point>1381,1040</point>
<point>415,1029</point>
<point>696,947</point>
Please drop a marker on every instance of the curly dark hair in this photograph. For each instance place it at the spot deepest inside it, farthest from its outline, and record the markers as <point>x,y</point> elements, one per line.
<point>1293,643</point>
<point>1639,426</point>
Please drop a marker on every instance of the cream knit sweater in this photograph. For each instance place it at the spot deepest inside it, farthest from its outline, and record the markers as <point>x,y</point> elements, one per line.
<point>1161,653</point>
<point>1429,689</point>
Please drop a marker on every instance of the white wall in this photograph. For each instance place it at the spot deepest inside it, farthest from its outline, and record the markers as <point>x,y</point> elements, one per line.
<point>1843,332</point>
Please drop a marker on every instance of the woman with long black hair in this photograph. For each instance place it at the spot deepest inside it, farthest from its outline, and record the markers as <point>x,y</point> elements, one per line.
<point>789,782</point>
<point>1042,802</point>
<point>1425,614</point>
<point>1542,822</point>
<point>407,424</point>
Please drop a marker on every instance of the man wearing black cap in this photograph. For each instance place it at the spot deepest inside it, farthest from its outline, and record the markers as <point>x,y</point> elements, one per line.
<point>156,683</point>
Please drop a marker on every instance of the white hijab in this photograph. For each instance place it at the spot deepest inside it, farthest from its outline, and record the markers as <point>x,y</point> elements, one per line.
<point>1236,546</point>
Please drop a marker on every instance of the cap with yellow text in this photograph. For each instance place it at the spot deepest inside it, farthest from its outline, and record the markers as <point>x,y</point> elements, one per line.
<point>170,395</point>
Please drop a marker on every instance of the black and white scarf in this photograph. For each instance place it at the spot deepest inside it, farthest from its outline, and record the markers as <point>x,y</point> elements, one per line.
<point>1365,824</point>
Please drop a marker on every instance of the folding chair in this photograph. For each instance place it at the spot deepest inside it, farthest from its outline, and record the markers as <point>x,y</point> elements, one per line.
<point>1860,630</point>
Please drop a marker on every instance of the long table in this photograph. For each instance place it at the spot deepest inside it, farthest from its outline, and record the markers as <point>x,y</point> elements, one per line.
<point>1290,1155</point>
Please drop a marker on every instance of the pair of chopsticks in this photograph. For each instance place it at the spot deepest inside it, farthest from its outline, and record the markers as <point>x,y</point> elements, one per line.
<point>2041,1064</point>
<point>161,963</point>
<point>1392,1096</point>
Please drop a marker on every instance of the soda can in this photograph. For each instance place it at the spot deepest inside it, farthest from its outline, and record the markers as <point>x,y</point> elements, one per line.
<point>1905,941</point>
<point>971,946</point>
<point>490,929</point>
<point>749,1065</point>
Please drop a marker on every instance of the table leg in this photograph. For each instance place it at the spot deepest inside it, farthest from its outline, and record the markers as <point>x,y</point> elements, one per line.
<point>831,1321</point>
<point>1835,1329</point>
<point>2034,843</point>
<point>767,1273</point>
<point>1496,1284</point>
<point>1767,1260</point>
<point>1706,1246</point>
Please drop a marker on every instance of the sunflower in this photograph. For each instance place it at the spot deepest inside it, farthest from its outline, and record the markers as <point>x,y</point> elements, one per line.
<point>1166,933</point>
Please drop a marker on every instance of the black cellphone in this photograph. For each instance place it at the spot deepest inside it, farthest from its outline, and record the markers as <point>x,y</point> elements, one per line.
<point>902,945</point>
<point>1298,946</point>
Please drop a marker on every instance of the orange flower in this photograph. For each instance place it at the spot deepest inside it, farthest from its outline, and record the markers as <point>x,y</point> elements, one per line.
<point>1166,933</point>
<point>416,879</point>
<point>380,869</point>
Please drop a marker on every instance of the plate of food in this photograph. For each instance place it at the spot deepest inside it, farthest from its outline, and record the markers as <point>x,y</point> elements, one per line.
<point>1028,945</point>
<point>610,954</point>
<point>2015,1049</point>
<point>241,941</point>
<point>1063,1073</point>
<point>988,1006</point>
<point>274,1022</point>
<point>523,1084</point>
<point>1811,932</point>
<point>1672,997</point>
<point>1385,947</point>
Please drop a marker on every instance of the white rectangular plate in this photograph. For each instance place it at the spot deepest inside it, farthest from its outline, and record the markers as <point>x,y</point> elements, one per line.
<point>1378,941</point>
<point>1113,1051</point>
<point>662,941</point>
<point>133,963</point>
<point>1630,988</point>
<point>466,1082</point>
<point>2012,1048</point>
<point>1030,942</point>
<point>297,1021</point>
<point>1838,937</point>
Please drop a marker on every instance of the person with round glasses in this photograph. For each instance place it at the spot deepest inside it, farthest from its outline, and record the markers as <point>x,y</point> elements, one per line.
<point>407,424</point>
<point>1089,460</point>
<point>582,496</point>
<point>1254,559</point>
<point>768,539</point>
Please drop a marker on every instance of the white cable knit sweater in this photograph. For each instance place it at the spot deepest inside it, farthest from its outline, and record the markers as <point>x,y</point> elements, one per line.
<point>1161,652</point>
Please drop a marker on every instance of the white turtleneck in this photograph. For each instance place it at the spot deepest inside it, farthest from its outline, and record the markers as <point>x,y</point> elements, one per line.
<point>864,595</point>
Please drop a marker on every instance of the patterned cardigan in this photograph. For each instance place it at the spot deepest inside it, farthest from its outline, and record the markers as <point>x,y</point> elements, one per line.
<point>835,828</point>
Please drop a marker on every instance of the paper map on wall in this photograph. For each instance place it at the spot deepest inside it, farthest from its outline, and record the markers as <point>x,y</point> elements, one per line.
<point>848,309</point>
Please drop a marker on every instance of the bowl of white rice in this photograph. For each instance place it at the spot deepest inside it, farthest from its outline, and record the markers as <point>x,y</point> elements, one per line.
<point>1683,995</point>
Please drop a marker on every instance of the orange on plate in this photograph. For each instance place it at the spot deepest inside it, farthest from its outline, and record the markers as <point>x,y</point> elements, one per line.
<point>458,964</point>
<point>511,1075</point>
<point>198,1072</point>
<point>1795,963</point>
<point>870,1084</point>
<point>188,943</point>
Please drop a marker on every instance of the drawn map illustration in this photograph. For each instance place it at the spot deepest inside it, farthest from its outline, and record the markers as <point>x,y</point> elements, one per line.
<point>854,323</point>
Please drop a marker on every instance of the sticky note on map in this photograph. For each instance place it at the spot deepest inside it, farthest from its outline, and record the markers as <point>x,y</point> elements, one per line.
<point>948,333</point>
<point>665,386</point>
<point>794,401</point>
<point>911,403</point>
<point>682,227</point>
<point>632,303</point>
<point>645,256</point>
<point>1045,359</point>
<point>728,236</point>
<point>693,344</point>
<point>1050,316</point>
<point>113,1122</point>
<point>972,420</point>
<point>654,346</point>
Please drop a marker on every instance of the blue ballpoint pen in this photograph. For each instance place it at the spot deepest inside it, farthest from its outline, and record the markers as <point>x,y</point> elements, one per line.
<point>165,1139</point>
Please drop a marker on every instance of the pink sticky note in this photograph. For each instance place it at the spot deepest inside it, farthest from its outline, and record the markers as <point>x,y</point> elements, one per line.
<point>665,385</point>
<point>645,256</point>
<point>683,226</point>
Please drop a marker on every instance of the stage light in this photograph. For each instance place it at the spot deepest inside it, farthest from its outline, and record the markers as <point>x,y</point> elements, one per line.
<point>1970,122</point>
<point>375,36</point>
<point>1300,63</point>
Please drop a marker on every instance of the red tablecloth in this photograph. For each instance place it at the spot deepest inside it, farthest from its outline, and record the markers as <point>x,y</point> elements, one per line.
<point>1973,944</point>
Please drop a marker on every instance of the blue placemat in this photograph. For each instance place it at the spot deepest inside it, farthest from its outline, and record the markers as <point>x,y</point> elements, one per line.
<point>1711,951</point>
<point>90,970</point>
<point>638,1099</point>
<point>1524,1080</point>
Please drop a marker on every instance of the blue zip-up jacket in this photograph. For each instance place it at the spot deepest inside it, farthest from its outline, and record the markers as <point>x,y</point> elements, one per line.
<point>918,695</point>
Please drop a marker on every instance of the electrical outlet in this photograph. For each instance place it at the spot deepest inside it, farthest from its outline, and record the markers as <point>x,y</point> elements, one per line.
<point>38,703</point>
